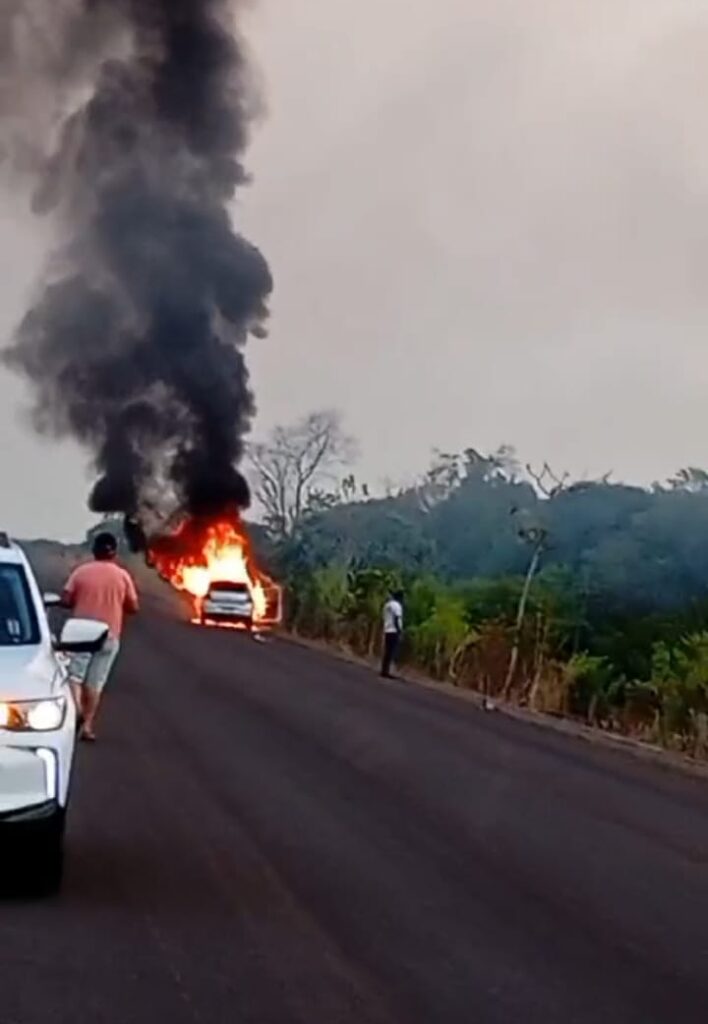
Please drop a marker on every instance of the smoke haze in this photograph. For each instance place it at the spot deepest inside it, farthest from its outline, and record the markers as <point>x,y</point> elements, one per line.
<point>486,219</point>
<point>134,345</point>
<point>515,192</point>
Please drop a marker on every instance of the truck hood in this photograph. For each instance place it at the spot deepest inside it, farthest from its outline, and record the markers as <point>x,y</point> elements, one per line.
<point>27,673</point>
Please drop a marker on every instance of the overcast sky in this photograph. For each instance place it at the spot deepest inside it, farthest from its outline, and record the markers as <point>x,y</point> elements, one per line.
<point>488,222</point>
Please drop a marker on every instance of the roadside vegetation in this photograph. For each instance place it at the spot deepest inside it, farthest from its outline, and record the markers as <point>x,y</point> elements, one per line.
<point>640,675</point>
<point>585,599</point>
<point>581,599</point>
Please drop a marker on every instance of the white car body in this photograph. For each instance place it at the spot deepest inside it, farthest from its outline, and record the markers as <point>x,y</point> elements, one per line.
<point>35,763</point>
<point>230,603</point>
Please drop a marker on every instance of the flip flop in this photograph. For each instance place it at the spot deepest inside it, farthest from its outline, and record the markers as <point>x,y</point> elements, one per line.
<point>88,737</point>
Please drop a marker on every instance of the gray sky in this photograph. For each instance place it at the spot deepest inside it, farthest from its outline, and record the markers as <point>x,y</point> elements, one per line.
<point>487,220</point>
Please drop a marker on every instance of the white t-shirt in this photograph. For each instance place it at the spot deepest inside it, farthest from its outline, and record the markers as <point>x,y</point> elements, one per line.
<point>393,616</point>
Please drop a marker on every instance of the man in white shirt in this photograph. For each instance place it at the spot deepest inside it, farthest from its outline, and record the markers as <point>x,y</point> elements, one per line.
<point>393,631</point>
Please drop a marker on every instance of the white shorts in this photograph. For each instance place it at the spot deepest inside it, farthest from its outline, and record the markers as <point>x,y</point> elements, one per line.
<point>93,670</point>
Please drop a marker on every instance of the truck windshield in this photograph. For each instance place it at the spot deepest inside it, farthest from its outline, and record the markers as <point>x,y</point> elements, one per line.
<point>18,619</point>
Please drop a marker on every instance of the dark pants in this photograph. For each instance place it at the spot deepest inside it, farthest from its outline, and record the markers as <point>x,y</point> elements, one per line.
<point>391,642</point>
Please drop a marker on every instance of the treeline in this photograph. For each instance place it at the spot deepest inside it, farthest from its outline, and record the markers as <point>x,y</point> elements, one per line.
<point>576,598</point>
<point>645,549</point>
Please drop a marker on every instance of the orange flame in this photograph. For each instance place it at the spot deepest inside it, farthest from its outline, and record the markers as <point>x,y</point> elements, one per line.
<point>201,553</point>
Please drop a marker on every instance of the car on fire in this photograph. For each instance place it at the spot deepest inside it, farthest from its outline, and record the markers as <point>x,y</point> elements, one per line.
<point>211,562</point>
<point>37,725</point>
<point>228,603</point>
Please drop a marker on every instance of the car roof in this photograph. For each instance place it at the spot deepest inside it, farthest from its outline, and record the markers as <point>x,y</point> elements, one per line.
<point>11,553</point>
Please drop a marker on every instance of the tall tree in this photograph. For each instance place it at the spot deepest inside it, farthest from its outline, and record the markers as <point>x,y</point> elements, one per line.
<point>297,466</point>
<point>536,536</point>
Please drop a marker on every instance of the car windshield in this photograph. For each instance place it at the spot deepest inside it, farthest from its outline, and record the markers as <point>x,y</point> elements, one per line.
<point>239,589</point>
<point>18,619</point>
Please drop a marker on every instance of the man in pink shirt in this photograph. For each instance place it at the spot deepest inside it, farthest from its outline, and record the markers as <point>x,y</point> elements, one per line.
<point>100,590</point>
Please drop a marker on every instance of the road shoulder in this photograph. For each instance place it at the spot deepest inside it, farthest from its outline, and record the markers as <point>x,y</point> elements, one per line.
<point>650,753</point>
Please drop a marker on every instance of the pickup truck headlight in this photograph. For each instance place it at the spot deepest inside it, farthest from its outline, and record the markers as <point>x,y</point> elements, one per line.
<point>33,715</point>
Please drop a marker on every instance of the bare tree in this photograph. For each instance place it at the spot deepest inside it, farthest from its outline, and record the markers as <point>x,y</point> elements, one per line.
<point>296,462</point>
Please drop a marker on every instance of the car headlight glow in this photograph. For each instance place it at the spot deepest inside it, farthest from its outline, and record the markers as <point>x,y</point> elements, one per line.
<point>47,715</point>
<point>33,715</point>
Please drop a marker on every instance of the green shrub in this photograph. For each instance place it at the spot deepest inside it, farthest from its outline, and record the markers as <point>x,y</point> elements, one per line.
<point>434,641</point>
<point>464,632</point>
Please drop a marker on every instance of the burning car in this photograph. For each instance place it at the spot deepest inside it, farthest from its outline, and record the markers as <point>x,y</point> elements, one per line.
<point>228,602</point>
<point>212,562</point>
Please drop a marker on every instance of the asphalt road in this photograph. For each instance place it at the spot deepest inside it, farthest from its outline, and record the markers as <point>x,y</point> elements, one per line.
<point>264,834</point>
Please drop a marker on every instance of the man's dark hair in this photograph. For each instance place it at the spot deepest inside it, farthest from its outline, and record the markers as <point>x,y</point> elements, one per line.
<point>397,595</point>
<point>104,547</point>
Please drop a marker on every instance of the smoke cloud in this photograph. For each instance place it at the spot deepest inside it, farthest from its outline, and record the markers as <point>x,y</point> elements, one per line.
<point>131,118</point>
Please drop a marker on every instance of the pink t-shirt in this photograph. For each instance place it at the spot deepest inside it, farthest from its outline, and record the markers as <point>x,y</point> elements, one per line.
<point>102,591</point>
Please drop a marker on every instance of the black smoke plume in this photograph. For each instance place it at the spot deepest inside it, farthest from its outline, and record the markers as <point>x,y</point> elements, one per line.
<point>134,345</point>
